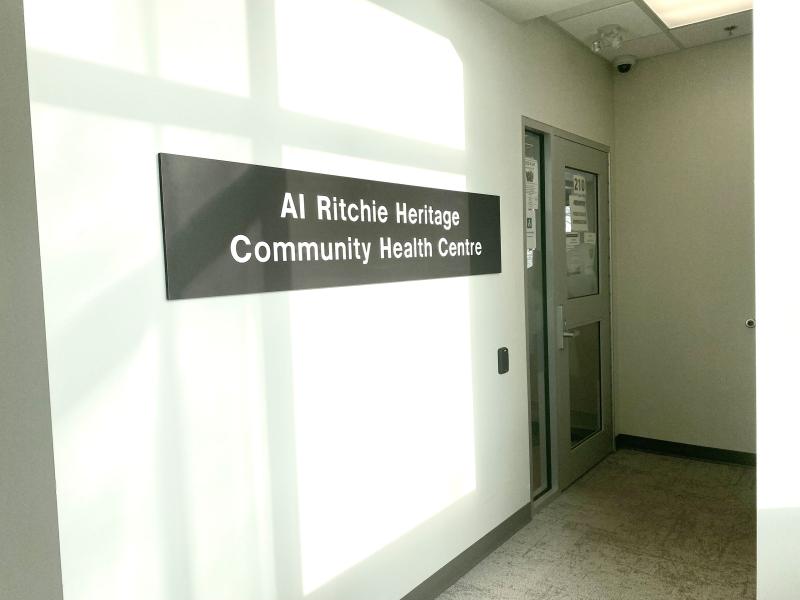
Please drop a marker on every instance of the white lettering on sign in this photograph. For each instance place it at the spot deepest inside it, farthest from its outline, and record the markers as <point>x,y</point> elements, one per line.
<point>333,208</point>
<point>414,248</point>
<point>289,207</point>
<point>264,251</point>
<point>240,258</point>
<point>427,215</point>
<point>462,248</point>
<point>337,209</point>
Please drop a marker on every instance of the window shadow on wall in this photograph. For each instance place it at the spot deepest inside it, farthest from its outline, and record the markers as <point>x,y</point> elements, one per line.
<point>264,445</point>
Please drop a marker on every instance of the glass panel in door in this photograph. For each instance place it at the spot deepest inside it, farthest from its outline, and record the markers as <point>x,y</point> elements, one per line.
<point>533,170</point>
<point>585,392</point>
<point>580,227</point>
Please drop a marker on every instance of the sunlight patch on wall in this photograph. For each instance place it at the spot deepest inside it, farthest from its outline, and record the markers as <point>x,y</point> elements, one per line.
<point>360,64</point>
<point>90,206</point>
<point>170,40</point>
<point>184,54</point>
<point>383,398</point>
<point>205,144</point>
<point>220,427</point>
<point>104,458</point>
<point>316,161</point>
<point>158,408</point>
<point>384,415</point>
<point>102,32</point>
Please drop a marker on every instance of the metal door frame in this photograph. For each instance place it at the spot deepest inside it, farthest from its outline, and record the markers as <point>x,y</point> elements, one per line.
<point>548,132</point>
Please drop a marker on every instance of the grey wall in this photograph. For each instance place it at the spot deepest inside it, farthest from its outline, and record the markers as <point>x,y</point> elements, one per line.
<point>682,229</point>
<point>29,554</point>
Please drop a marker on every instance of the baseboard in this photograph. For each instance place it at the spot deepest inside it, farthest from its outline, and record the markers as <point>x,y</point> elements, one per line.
<point>461,564</point>
<point>634,442</point>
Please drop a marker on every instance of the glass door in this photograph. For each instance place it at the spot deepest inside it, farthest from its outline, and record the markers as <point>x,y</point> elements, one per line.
<point>534,174</point>
<point>580,352</point>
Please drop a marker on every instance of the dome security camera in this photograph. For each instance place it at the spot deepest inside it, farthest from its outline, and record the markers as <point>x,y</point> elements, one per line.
<point>624,63</point>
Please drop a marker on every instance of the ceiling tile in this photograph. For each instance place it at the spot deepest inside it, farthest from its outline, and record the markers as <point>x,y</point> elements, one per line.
<point>633,20</point>
<point>714,30</point>
<point>582,9</point>
<point>525,10</point>
<point>644,47</point>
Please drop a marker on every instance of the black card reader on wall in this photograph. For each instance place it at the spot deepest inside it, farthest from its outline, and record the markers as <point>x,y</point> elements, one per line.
<point>502,360</point>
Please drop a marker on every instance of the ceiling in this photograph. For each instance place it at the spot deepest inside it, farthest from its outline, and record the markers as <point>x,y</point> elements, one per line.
<point>644,34</point>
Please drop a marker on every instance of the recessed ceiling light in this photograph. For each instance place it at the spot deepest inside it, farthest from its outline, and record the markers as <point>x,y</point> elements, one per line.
<point>676,13</point>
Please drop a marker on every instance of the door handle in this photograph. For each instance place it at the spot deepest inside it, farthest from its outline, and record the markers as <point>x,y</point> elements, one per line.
<point>561,325</point>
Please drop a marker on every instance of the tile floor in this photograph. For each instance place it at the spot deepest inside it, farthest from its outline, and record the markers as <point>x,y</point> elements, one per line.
<point>638,526</point>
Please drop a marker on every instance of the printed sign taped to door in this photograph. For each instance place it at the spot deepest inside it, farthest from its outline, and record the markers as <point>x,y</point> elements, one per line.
<point>577,211</point>
<point>573,240</point>
<point>531,185</point>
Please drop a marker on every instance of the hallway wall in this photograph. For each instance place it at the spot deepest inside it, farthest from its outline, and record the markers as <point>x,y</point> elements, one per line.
<point>29,559</point>
<point>285,445</point>
<point>682,237</point>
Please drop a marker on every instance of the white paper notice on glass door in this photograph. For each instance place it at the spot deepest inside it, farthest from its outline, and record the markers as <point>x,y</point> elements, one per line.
<point>573,240</point>
<point>531,206</point>
<point>531,184</point>
<point>530,241</point>
<point>577,210</point>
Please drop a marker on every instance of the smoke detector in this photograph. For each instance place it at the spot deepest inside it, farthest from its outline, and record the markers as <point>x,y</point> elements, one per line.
<point>608,36</point>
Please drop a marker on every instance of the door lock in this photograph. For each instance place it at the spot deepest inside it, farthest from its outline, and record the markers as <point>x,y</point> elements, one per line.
<point>750,323</point>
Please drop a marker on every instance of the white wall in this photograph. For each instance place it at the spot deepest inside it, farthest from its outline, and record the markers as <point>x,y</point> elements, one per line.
<point>341,443</point>
<point>29,560</point>
<point>682,228</point>
<point>777,292</point>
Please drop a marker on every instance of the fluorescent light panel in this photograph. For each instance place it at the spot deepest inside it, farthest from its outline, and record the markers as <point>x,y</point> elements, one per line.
<point>676,13</point>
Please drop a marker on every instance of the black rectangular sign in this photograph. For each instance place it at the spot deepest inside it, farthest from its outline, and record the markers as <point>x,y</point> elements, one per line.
<point>232,228</point>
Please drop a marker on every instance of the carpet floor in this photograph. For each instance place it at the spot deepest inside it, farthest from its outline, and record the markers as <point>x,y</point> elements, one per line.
<point>638,526</point>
